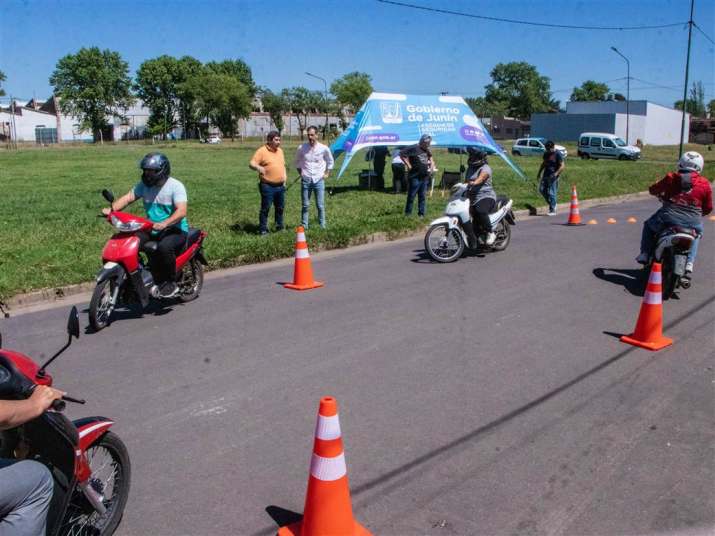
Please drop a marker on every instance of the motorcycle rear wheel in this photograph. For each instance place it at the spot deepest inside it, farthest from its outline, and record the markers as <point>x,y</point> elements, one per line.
<point>111,476</point>
<point>443,244</point>
<point>503,232</point>
<point>670,278</point>
<point>191,281</point>
<point>100,306</point>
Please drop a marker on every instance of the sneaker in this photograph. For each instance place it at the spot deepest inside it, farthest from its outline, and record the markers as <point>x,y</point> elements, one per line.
<point>491,238</point>
<point>688,267</point>
<point>263,233</point>
<point>168,290</point>
<point>642,258</point>
<point>551,213</point>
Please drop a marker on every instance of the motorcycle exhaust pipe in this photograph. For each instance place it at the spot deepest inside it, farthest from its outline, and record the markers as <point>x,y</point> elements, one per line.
<point>685,282</point>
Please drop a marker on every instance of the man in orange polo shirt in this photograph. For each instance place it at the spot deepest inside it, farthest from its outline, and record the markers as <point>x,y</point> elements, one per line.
<point>270,164</point>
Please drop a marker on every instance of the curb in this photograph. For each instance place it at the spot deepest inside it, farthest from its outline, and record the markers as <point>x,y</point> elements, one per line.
<point>57,295</point>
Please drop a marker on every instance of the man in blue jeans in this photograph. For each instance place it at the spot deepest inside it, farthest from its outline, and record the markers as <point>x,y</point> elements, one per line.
<point>314,161</point>
<point>418,164</point>
<point>26,486</point>
<point>552,166</point>
<point>269,162</point>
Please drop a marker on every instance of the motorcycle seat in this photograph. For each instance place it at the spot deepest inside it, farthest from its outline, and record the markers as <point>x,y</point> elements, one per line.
<point>681,230</point>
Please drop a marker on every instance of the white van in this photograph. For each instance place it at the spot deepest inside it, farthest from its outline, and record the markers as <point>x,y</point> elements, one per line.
<point>603,145</point>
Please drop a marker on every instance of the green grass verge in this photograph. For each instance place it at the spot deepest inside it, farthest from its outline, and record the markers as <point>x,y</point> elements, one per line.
<point>50,235</point>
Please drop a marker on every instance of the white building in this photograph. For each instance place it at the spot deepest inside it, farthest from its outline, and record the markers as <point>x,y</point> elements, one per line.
<point>648,122</point>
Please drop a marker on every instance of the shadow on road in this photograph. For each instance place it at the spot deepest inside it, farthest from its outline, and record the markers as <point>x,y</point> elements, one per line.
<point>283,517</point>
<point>476,434</point>
<point>156,308</point>
<point>631,279</point>
<point>422,257</point>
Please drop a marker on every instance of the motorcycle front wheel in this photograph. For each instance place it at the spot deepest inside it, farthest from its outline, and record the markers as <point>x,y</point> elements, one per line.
<point>443,244</point>
<point>111,473</point>
<point>101,306</point>
<point>191,280</point>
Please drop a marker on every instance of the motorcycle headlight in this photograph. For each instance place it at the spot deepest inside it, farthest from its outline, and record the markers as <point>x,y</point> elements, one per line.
<point>125,227</point>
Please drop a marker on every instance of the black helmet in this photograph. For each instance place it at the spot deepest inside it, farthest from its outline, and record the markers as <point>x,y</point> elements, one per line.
<point>155,169</point>
<point>476,156</point>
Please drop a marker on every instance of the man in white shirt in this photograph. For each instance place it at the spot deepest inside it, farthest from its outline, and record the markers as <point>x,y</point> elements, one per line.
<point>314,161</point>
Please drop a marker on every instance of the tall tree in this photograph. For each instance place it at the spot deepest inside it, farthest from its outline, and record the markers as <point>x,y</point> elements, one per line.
<point>695,104</point>
<point>276,105</point>
<point>352,90</point>
<point>2,79</point>
<point>302,102</point>
<point>92,85</point>
<point>156,85</point>
<point>221,98</point>
<point>189,119</point>
<point>520,87</point>
<point>590,91</point>
<point>711,109</point>
<point>482,108</point>
<point>237,69</point>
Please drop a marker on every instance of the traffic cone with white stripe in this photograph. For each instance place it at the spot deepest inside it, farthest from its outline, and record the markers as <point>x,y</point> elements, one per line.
<point>303,272</point>
<point>328,511</point>
<point>649,327</point>
<point>574,213</point>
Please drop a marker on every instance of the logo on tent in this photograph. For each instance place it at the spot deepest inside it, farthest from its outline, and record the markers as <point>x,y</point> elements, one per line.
<point>391,112</point>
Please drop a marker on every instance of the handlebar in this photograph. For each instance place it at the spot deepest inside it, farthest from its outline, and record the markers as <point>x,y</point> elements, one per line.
<point>61,404</point>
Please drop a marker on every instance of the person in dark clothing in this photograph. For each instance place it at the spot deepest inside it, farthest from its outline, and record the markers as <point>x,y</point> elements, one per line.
<point>552,166</point>
<point>418,163</point>
<point>379,156</point>
<point>482,196</point>
<point>399,177</point>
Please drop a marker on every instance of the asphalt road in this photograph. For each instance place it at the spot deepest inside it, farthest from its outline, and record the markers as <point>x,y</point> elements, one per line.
<point>488,396</point>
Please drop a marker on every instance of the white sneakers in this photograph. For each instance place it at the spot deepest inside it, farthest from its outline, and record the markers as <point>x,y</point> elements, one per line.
<point>491,238</point>
<point>551,213</point>
<point>688,267</point>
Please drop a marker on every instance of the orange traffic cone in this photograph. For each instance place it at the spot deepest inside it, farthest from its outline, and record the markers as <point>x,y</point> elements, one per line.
<point>649,327</point>
<point>303,272</point>
<point>328,511</point>
<point>574,214</point>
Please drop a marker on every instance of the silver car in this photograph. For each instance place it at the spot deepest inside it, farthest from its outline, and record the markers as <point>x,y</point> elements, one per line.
<point>534,147</point>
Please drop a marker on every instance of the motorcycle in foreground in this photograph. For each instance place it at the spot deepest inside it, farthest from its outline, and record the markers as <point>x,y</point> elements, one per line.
<point>89,464</point>
<point>125,279</point>
<point>671,251</point>
<point>446,240</point>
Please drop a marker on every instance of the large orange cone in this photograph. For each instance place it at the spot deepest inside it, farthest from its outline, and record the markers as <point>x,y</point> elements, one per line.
<point>574,214</point>
<point>303,272</point>
<point>328,511</point>
<point>649,327</point>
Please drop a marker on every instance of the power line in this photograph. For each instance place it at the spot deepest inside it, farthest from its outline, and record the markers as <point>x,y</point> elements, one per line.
<point>704,34</point>
<point>529,23</point>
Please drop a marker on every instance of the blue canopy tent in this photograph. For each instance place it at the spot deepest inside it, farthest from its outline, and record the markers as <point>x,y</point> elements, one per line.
<point>399,119</point>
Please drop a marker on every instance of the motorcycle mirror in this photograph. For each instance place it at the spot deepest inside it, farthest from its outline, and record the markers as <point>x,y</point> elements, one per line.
<point>109,196</point>
<point>73,323</point>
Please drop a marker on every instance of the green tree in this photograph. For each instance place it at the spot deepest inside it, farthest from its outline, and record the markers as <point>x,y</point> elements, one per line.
<point>221,98</point>
<point>520,87</point>
<point>237,69</point>
<point>590,91</point>
<point>92,85</point>
<point>302,101</point>
<point>156,85</point>
<point>276,105</point>
<point>696,101</point>
<point>2,79</point>
<point>352,90</point>
<point>189,117</point>
<point>711,109</point>
<point>482,108</point>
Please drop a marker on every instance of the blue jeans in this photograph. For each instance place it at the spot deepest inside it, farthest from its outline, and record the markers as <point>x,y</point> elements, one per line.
<point>418,187</point>
<point>270,195</point>
<point>26,488</point>
<point>653,226</point>
<point>548,188</point>
<point>308,187</point>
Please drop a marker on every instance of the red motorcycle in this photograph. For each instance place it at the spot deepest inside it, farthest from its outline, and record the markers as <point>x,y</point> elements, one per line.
<point>126,277</point>
<point>89,464</point>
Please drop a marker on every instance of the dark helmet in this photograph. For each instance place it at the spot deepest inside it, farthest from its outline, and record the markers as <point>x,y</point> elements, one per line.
<point>476,156</point>
<point>155,169</point>
<point>549,145</point>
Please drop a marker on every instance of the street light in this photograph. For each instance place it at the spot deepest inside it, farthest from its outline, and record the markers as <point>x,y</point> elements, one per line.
<point>325,86</point>
<point>628,88</point>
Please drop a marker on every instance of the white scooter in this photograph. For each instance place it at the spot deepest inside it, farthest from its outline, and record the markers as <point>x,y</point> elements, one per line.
<point>445,239</point>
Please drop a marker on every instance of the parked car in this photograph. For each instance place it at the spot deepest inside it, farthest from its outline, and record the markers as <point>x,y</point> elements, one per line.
<point>603,145</point>
<point>534,147</point>
<point>213,139</point>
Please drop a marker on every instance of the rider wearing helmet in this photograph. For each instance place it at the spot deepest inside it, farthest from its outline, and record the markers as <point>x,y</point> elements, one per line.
<point>26,486</point>
<point>482,196</point>
<point>686,196</point>
<point>165,202</point>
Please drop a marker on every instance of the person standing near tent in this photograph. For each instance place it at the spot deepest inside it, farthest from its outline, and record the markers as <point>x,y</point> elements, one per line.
<point>418,163</point>
<point>314,162</point>
<point>399,178</point>
<point>269,161</point>
<point>552,166</point>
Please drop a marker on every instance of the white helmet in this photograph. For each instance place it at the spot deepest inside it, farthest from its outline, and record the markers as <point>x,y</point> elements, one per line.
<point>691,161</point>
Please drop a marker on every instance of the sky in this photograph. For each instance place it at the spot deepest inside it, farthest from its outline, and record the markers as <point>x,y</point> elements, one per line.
<point>404,50</point>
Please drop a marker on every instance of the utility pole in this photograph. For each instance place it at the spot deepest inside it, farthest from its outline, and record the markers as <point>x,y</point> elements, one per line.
<point>687,68</point>
<point>14,127</point>
<point>628,89</point>
<point>325,85</point>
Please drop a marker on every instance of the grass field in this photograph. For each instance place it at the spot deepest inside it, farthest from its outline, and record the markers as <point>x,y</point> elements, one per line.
<point>50,235</point>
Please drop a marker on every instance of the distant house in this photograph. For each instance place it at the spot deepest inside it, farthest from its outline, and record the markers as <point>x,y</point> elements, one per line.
<point>648,122</point>
<point>506,128</point>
